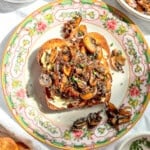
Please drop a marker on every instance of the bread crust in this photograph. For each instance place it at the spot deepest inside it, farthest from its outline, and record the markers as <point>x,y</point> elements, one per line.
<point>49,45</point>
<point>81,104</point>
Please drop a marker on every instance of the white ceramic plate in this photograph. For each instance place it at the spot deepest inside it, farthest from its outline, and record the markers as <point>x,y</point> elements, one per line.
<point>136,142</point>
<point>20,73</point>
<point>133,11</point>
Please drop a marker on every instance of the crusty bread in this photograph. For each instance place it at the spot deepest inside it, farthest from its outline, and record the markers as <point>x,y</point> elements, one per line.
<point>75,71</point>
<point>48,46</point>
<point>52,105</point>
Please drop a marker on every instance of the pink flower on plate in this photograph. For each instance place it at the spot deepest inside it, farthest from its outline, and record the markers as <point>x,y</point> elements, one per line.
<point>78,134</point>
<point>41,26</point>
<point>134,91</point>
<point>111,24</point>
<point>21,94</point>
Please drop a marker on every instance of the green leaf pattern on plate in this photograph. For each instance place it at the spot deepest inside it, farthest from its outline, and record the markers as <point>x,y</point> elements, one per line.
<point>34,27</point>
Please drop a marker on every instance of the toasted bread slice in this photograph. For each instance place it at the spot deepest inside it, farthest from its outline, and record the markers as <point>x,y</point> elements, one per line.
<point>75,71</point>
<point>69,85</point>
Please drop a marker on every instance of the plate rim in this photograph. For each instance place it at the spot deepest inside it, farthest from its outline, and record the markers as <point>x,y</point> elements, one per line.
<point>16,116</point>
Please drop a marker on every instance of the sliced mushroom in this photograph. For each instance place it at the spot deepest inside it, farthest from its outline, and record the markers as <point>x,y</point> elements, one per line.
<point>117,60</point>
<point>53,55</point>
<point>45,80</point>
<point>55,78</point>
<point>108,78</point>
<point>82,30</point>
<point>94,40</point>
<point>111,107</point>
<point>105,65</point>
<point>99,53</point>
<point>93,119</point>
<point>123,120</point>
<point>77,20</point>
<point>71,26</point>
<point>78,32</point>
<point>79,124</point>
<point>125,111</point>
<point>113,121</point>
<point>71,92</point>
<point>83,50</point>
<point>92,80</point>
<point>89,122</point>
<point>81,84</point>
<point>66,54</point>
<point>63,83</point>
<point>89,95</point>
<point>119,116</point>
<point>67,70</point>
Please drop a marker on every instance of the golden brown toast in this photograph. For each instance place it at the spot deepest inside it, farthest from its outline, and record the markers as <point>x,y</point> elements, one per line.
<point>75,72</point>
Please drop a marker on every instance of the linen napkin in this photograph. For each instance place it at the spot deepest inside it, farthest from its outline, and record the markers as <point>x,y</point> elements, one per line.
<point>8,127</point>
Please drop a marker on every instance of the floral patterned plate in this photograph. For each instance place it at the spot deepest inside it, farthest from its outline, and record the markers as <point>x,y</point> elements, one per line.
<point>20,73</point>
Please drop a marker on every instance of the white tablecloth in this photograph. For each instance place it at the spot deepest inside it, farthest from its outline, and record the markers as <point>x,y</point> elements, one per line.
<point>10,16</point>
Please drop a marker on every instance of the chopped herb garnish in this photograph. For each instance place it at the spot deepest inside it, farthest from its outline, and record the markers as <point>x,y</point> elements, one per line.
<point>95,73</point>
<point>111,44</point>
<point>80,33</point>
<point>74,79</point>
<point>81,65</point>
<point>140,144</point>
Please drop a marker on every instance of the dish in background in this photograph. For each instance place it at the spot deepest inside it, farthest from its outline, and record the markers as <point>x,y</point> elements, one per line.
<point>135,142</point>
<point>7,143</point>
<point>133,11</point>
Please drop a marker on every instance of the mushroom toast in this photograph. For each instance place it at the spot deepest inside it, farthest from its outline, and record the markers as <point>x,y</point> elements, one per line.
<point>75,68</point>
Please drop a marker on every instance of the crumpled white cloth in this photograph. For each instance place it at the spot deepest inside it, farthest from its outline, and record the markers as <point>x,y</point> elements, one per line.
<point>14,130</point>
<point>11,15</point>
<point>19,1</point>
